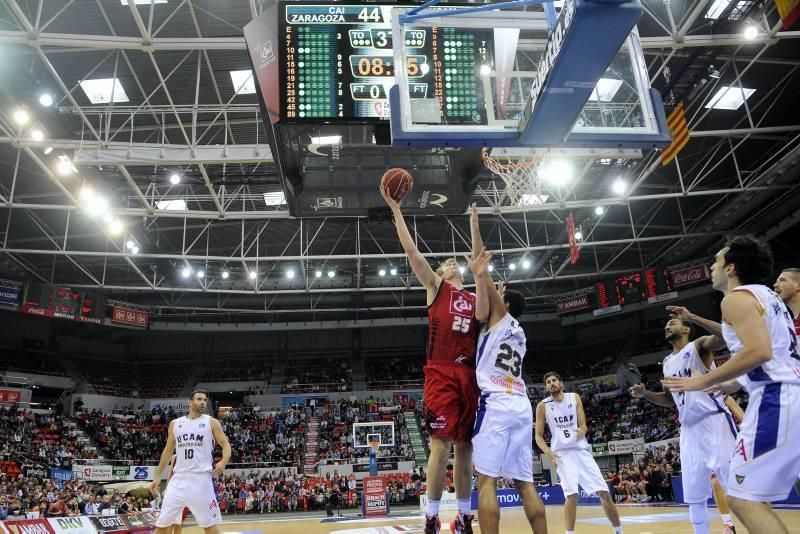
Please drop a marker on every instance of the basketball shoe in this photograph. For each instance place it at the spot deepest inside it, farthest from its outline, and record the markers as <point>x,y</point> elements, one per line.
<point>728,529</point>
<point>462,524</point>
<point>432,524</point>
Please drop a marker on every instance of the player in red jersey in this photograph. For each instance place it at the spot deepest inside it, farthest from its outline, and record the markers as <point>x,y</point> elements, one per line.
<point>451,390</point>
<point>787,286</point>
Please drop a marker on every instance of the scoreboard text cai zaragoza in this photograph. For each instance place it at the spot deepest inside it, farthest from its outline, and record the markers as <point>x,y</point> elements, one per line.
<point>338,63</point>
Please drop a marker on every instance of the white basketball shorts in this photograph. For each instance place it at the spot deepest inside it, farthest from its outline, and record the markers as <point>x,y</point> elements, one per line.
<point>576,467</point>
<point>705,449</point>
<point>766,457</point>
<point>502,440</point>
<point>194,491</point>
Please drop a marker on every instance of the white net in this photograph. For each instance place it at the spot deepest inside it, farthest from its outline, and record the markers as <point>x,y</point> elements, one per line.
<point>521,176</point>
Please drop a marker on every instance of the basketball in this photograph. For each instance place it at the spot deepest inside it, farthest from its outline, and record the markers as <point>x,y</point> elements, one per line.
<point>398,182</point>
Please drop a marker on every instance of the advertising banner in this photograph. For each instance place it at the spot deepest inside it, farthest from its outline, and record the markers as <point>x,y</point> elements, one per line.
<point>9,295</point>
<point>624,446</point>
<point>120,472</point>
<point>142,472</point>
<point>33,471</point>
<point>374,501</point>
<point>138,521</point>
<point>29,526</point>
<point>130,317</point>
<point>61,474</point>
<point>382,466</point>
<point>108,523</point>
<point>73,525</point>
<point>689,275</point>
<point>93,472</point>
<point>179,405</point>
<point>574,303</point>
<point>10,396</point>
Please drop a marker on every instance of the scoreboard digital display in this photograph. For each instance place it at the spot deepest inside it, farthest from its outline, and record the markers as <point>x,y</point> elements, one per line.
<point>337,63</point>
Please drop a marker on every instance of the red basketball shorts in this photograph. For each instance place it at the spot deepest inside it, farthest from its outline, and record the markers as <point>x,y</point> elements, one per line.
<point>451,398</point>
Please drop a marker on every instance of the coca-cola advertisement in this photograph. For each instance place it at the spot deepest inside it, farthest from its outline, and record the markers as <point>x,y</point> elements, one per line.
<point>689,275</point>
<point>574,303</point>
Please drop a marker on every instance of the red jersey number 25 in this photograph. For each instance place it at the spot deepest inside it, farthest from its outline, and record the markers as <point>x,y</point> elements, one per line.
<point>461,324</point>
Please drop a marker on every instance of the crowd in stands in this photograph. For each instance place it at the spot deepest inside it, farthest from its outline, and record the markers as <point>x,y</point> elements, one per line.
<point>318,375</point>
<point>274,436</point>
<point>137,435</point>
<point>394,372</point>
<point>336,430</point>
<point>649,479</point>
<point>39,439</point>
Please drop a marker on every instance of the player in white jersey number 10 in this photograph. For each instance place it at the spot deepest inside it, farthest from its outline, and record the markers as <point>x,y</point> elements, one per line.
<point>759,332</point>
<point>569,451</point>
<point>192,438</point>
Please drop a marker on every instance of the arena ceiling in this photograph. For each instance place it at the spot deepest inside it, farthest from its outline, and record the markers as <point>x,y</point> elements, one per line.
<point>183,116</point>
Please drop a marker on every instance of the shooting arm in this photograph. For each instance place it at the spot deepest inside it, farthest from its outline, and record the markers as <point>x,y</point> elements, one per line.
<point>420,266</point>
<point>743,312</point>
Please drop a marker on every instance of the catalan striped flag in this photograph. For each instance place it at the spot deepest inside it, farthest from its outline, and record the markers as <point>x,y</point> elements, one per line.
<point>680,134</point>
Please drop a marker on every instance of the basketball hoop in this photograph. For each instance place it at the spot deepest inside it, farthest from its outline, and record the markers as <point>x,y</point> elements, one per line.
<point>520,174</point>
<point>373,447</point>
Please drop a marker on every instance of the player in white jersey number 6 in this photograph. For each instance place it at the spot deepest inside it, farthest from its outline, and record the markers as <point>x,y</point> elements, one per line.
<point>191,484</point>
<point>502,437</point>
<point>569,451</point>
<point>759,332</point>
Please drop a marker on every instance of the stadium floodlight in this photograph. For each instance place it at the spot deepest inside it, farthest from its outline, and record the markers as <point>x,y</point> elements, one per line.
<point>186,272</point>
<point>225,275</point>
<point>393,272</point>
<point>331,273</point>
<point>253,275</point>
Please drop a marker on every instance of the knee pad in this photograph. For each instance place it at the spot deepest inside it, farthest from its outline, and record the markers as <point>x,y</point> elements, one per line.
<point>698,515</point>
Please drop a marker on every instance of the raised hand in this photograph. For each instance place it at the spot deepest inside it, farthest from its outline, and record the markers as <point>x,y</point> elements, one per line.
<point>473,215</point>
<point>678,312</point>
<point>501,287</point>
<point>480,264</point>
<point>393,204</point>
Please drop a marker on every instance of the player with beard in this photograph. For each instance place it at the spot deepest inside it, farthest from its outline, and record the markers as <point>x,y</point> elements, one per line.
<point>707,428</point>
<point>451,390</point>
<point>759,331</point>
<point>569,451</point>
<point>787,286</point>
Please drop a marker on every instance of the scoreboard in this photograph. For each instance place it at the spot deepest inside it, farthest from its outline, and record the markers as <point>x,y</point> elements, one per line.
<point>625,289</point>
<point>337,63</point>
<point>63,302</point>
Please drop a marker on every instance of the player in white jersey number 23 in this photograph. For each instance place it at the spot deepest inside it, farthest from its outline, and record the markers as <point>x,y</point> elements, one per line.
<point>192,439</point>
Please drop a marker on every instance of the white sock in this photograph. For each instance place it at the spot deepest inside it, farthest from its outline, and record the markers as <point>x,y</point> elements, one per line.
<point>464,506</point>
<point>570,532</point>
<point>432,509</point>
<point>727,519</point>
<point>618,530</point>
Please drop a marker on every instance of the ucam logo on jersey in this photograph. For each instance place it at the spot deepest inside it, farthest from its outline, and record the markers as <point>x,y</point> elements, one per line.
<point>460,305</point>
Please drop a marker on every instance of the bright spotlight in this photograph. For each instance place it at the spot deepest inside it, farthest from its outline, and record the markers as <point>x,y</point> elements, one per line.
<point>97,206</point>
<point>382,272</point>
<point>37,135</point>
<point>107,218</point>
<point>485,70</point>
<point>21,117</point>
<point>491,267</point>
<point>750,32</point>
<point>578,235</point>
<point>64,167</point>
<point>526,264</point>
<point>558,172</point>
<point>46,100</point>
<point>599,210</point>
<point>393,272</point>
<point>331,273</point>
<point>461,269</point>
<point>186,272</point>
<point>48,150</point>
<point>317,274</point>
<point>175,179</point>
<point>130,244</point>
<point>290,274</point>
<point>512,266</point>
<point>619,186</point>
<point>115,227</point>
<point>253,275</point>
<point>225,275</point>
<point>201,274</point>
<point>87,194</point>
<point>135,250</point>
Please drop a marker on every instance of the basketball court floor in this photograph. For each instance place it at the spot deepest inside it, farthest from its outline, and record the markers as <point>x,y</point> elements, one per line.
<point>636,519</point>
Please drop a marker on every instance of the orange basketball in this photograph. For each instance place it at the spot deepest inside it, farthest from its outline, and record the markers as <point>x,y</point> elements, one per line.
<point>398,182</point>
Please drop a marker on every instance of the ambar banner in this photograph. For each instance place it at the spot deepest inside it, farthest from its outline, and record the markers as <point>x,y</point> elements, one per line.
<point>574,303</point>
<point>10,295</point>
<point>29,526</point>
